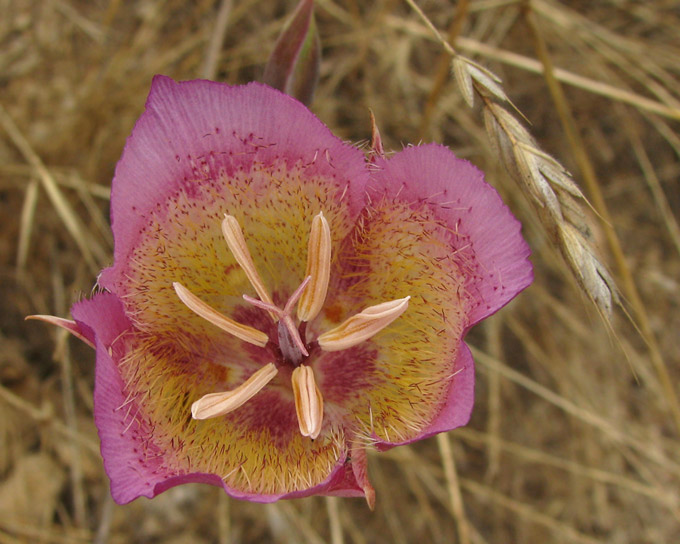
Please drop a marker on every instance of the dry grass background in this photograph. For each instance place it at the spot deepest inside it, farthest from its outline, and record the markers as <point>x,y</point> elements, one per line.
<point>574,437</point>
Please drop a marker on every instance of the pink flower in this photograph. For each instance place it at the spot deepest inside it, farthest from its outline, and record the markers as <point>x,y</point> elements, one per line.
<point>277,303</point>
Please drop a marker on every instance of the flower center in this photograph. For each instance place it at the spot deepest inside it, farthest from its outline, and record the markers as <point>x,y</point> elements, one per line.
<point>309,297</point>
<point>291,345</point>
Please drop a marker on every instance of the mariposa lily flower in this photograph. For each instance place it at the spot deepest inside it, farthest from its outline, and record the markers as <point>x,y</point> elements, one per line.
<point>278,302</point>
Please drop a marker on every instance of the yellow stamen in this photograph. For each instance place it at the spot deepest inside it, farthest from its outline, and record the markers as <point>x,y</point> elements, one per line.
<point>362,326</point>
<point>318,268</point>
<point>67,324</point>
<point>237,244</point>
<point>308,401</point>
<point>218,404</point>
<point>196,305</point>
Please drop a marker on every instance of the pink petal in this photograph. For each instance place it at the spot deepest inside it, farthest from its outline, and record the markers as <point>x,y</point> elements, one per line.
<point>198,130</point>
<point>456,191</point>
<point>101,316</point>
<point>134,465</point>
<point>131,463</point>
<point>456,410</point>
<point>458,406</point>
<point>339,483</point>
<point>122,440</point>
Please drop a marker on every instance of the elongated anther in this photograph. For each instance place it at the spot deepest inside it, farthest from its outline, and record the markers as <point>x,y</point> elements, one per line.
<point>318,268</point>
<point>218,404</point>
<point>196,305</point>
<point>308,401</point>
<point>237,244</point>
<point>67,324</point>
<point>363,325</point>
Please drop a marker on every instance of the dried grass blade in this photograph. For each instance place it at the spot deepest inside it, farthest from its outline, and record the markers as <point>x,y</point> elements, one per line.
<point>639,445</point>
<point>453,486</point>
<point>528,512</point>
<point>593,268</point>
<point>26,229</point>
<point>61,205</point>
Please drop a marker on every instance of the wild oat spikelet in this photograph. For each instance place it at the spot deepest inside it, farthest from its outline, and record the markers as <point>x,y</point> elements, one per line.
<point>541,177</point>
<point>549,186</point>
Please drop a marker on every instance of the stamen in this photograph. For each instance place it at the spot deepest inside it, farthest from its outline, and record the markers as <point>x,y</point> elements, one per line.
<point>290,331</point>
<point>196,305</point>
<point>67,324</point>
<point>308,401</point>
<point>218,404</point>
<point>362,326</point>
<point>237,244</point>
<point>318,268</point>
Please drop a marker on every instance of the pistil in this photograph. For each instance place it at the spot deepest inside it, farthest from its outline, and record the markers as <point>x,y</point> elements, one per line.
<point>290,343</point>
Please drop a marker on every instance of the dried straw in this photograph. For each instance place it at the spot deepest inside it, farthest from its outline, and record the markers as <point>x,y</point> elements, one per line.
<point>574,435</point>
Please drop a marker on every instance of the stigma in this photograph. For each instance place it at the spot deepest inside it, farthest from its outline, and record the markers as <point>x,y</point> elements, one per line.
<point>291,344</point>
